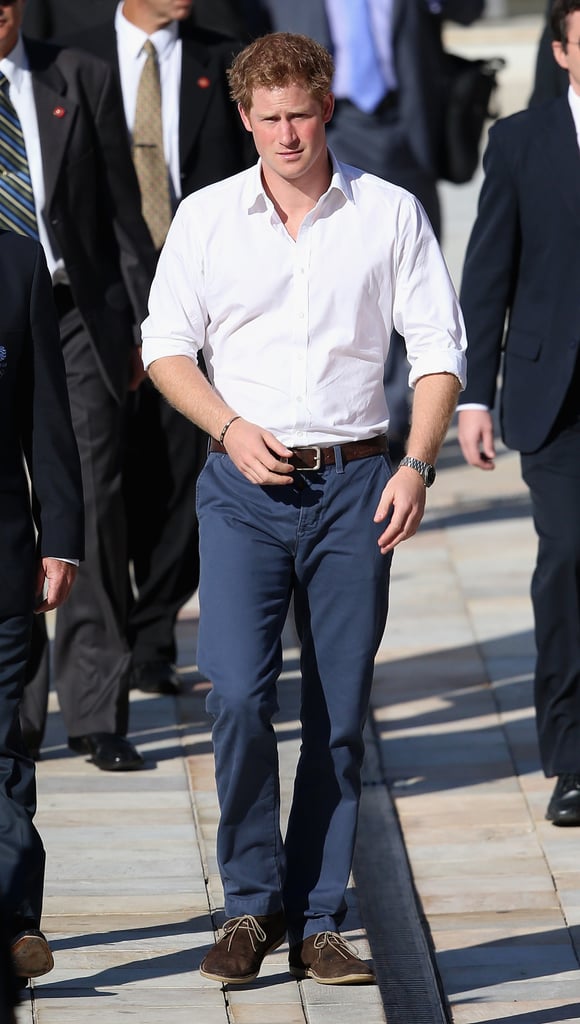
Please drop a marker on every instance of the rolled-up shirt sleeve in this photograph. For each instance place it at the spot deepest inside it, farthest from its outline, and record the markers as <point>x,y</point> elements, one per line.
<point>177,318</point>
<point>426,309</point>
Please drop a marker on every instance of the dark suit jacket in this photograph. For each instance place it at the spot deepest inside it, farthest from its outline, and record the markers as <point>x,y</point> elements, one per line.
<point>92,207</point>
<point>212,141</point>
<point>242,19</point>
<point>54,19</point>
<point>417,49</point>
<point>523,259</point>
<point>59,19</point>
<point>34,420</point>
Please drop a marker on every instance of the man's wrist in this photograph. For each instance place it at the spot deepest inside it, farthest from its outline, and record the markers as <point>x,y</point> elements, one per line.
<point>226,427</point>
<point>425,469</point>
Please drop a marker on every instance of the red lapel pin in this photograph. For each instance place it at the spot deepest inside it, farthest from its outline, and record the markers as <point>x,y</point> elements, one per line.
<point>203,82</point>
<point>58,112</point>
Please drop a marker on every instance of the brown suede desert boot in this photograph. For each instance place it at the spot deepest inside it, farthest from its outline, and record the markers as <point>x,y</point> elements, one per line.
<point>237,957</point>
<point>330,960</point>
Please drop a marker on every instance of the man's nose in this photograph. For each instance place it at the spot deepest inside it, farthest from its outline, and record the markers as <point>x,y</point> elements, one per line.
<point>287,133</point>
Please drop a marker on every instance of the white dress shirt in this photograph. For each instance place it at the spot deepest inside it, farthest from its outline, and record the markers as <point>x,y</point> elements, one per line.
<point>15,67</point>
<point>295,334</point>
<point>574,101</point>
<point>130,42</point>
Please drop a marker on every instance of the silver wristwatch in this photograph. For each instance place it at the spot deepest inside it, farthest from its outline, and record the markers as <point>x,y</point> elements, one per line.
<point>425,469</point>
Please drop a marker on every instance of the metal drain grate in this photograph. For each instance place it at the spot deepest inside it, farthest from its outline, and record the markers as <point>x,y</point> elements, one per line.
<point>403,961</point>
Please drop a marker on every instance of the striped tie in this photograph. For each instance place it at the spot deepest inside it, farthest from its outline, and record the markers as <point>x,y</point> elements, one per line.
<point>17,210</point>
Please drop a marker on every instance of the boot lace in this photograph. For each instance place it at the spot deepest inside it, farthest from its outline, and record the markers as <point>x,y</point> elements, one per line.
<point>246,923</point>
<point>346,949</point>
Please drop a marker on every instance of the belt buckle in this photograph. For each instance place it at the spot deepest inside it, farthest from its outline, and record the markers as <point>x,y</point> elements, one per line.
<point>317,458</point>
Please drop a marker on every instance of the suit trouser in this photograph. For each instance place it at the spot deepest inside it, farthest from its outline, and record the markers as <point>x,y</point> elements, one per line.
<point>91,655</point>
<point>258,547</point>
<point>22,855</point>
<point>165,453</point>
<point>553,477</point>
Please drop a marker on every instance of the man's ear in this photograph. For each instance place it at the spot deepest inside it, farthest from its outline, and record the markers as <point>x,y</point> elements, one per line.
<point>245,119</point>
<point>327,107</point>
<point>560,55</point>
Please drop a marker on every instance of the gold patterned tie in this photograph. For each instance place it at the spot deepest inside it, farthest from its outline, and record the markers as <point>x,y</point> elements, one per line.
<point>148,154</point>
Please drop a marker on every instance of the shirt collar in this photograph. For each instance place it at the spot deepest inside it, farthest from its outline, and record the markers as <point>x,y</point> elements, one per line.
<point>257,200</point>
<point>574,101</point>
<point>339,180</point>
<point>132,38</point>
<point>14,64</point>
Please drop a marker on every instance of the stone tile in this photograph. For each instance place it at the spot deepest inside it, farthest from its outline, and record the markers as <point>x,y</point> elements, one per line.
<point>362,997</point>
<point>517,848</point>
<point>513,922</point>
<point>523,1011</point>
<point>477,902</point>
<point>138,804</point>
<point>274,1013</point>
<point>465,985</point>
<point>498,867</point>
<point>94,1010</point>
<point>108,782</point>
<point>129,903</point>
<point>330,1013</point>
<point>189,887</point>
<point>274,985</point>
<point>122,863</point>
<point>484,886</point>
<point>464,941</point>
<point>144,836</point>
<point>510,960</point>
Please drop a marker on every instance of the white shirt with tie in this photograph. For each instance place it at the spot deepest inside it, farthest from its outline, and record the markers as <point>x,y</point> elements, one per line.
<point>130,40</point>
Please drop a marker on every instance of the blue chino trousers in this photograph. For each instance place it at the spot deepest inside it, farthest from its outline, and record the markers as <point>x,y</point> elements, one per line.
<point>315,539</point>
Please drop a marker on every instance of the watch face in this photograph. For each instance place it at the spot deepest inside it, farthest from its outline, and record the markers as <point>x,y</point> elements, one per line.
<point>429,475</point>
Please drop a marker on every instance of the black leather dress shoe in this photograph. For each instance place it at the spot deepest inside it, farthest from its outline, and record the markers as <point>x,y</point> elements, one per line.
<point>108,751</point>
<point>564,806</point>
<point>31,954</point>
<point>155,677</point>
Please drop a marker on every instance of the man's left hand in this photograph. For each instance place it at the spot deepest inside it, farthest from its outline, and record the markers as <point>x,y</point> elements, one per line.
<point>56,578</point>
<point>404,500</point>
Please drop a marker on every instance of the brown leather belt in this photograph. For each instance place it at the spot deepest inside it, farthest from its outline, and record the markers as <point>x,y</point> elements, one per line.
<point>314,457</point>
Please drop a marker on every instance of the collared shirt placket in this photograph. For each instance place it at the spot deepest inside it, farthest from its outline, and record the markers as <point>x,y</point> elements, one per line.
<point>300,330</point>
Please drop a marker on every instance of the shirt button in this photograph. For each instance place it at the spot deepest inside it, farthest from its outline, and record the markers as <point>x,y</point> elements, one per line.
<point>301,316</point>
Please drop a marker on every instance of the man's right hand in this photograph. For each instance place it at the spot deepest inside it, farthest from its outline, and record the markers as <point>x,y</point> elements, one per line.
<point>253,451</point>
<point>475,431</point>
